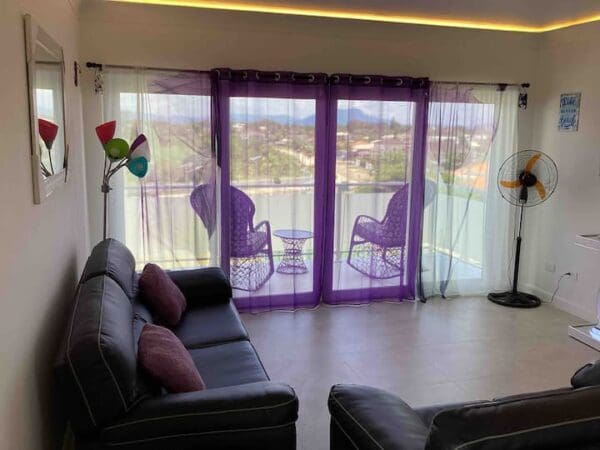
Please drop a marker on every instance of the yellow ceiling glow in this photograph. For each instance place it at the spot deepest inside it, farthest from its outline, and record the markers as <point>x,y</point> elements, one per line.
<point>341,14</point>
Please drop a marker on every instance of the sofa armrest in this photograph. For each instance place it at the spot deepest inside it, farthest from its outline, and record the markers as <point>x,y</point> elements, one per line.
<point>206,285</point>
<point>370,418</point>
<point>254,406</point>
<point>563,418</point>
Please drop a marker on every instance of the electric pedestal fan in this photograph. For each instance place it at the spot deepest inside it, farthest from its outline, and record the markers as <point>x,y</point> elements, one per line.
<point>525,179</point>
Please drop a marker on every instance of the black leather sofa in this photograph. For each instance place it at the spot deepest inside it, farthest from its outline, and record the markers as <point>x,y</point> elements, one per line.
<point>567,419</point>
<point>111,405</point>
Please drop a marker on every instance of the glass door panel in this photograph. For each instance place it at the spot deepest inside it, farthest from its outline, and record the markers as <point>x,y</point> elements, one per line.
<point>272,191</point>
<point>373,173</point>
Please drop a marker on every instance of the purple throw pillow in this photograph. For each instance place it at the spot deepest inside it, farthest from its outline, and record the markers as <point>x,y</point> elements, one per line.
<point>162,294</point>
<point>162,355</point>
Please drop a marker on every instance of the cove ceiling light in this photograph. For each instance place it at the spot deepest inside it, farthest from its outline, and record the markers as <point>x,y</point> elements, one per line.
<point>370,16</point>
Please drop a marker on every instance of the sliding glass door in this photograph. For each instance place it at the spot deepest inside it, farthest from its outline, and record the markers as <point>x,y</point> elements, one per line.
<point>376,188</point>
<point>272,132</point>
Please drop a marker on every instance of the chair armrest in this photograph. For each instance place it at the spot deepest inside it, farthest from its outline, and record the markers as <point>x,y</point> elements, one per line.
<point>265,224</point>
<point>232,408</point>
<point>206,285</point>
<point>374,419</point>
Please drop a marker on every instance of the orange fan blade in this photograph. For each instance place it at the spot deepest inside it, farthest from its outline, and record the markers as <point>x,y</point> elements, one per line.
<point>532,161</point>
<point>510,184</point>
<point>541,190</point>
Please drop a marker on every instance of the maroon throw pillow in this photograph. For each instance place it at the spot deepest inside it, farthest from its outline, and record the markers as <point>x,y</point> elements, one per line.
<point>162,294</point>
<point>162,355</point>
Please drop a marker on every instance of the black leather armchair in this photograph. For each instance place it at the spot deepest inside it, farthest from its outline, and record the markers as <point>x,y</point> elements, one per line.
<point>567,419</point>
<point>111,404</point>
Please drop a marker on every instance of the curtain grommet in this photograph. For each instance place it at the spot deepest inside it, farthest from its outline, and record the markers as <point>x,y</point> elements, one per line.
<point>311,78</point>
<point>399,82</point>
<point>367,80</point>
<point>245,75</point>
<point>277,76</point>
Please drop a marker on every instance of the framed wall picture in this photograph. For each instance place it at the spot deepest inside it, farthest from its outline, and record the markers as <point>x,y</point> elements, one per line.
<point>569,112</point>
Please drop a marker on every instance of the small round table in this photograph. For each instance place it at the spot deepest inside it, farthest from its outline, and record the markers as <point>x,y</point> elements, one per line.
<point>292,262</point>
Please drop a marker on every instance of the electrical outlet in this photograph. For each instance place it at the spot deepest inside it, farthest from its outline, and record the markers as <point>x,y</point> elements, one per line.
<point>575,276</point>
<point>550,267</point>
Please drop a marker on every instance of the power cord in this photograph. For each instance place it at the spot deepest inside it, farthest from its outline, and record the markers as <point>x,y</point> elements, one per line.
<point>566,274</point>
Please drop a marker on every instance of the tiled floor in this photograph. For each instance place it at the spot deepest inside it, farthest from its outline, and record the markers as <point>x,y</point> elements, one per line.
<point>441,351</point>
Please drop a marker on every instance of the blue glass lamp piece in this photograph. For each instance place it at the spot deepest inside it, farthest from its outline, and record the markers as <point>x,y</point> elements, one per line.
<point>138,166</point>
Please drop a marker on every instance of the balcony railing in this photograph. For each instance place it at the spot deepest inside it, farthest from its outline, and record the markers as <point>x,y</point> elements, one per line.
<point>190,247</point>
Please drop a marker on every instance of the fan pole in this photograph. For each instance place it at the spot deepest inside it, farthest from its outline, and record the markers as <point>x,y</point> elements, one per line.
<point>518,254</point>
<point>514,298</point>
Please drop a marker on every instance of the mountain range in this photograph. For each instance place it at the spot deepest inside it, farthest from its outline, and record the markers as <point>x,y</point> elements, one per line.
<point>343,116</point>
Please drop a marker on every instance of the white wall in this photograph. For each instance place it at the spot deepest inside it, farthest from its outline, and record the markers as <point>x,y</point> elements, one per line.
<point>43,246</point>
<point>569,61</point>
<point>162,36</point>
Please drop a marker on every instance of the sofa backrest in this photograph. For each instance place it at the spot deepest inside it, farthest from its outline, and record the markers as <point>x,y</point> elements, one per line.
<point>97,367</point>
<point>563,418</point>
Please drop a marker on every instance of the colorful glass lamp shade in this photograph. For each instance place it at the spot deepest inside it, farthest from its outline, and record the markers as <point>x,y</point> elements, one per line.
<point>116,149</point>
<point>138,166</point>
<point>106,131</point>
<point>118,155</point>
<point>139,148</point>
<point>48,131</point>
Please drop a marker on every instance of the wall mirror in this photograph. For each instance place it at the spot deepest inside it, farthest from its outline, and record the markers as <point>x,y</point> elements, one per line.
<point>46,73</point>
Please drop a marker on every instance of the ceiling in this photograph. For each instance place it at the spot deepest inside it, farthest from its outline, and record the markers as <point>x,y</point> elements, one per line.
<point>510,15</point>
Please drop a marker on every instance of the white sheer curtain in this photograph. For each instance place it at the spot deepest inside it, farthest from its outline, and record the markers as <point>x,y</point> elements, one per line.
<point>153,216</point>
<point>468,227</point>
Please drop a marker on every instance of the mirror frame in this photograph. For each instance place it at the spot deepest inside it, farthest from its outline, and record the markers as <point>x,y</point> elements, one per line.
<point>43,187</point>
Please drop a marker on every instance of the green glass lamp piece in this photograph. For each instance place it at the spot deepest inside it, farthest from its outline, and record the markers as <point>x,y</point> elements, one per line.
<point>119,154</point>
<point>116,149</point>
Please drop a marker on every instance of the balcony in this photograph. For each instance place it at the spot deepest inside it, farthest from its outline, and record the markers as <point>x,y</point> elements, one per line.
<point>291,206</point>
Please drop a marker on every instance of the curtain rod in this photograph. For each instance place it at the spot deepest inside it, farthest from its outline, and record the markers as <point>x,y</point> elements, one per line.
<point>94,65</point>
<point>483,83</point>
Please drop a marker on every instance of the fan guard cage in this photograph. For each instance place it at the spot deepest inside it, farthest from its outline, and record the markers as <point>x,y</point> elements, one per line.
<point>544,169</point>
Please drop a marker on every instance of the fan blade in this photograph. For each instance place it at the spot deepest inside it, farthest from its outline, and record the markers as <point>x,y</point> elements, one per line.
<point>541,190</point>
<point>510,184</point>
<point>532,161</point>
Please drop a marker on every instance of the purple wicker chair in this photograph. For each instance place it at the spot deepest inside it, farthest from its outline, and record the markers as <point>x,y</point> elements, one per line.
<point>251,250</point>
<point>377,247</point>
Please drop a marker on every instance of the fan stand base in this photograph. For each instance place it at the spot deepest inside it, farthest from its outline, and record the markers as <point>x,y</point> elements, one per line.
<point>515,299</point>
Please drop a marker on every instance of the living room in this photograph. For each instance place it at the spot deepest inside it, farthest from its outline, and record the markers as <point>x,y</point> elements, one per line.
<point>376,159</point>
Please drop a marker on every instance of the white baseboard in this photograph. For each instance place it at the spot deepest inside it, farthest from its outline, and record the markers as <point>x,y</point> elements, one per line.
<point>562,303</point>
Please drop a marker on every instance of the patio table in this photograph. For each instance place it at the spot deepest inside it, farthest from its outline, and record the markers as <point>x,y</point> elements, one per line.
<point>292,262</point>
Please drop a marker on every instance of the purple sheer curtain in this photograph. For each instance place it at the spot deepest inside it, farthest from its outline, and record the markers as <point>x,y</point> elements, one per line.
<point>375,179</point>
<point>270,133</point>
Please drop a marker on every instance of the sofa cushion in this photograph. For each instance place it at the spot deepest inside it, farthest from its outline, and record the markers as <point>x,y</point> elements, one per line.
<point>167,361</point>
<point>162,295</point>
<point>214,323</point>
<point>111,258</point>
<point>561,419</point>
<point>229,364</point>
<point>98,369</point>
<point>370,418</point>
